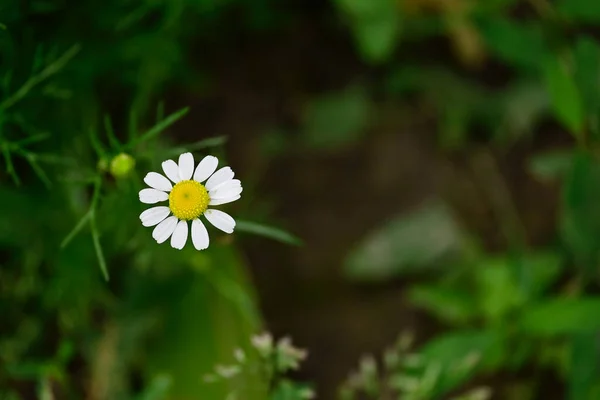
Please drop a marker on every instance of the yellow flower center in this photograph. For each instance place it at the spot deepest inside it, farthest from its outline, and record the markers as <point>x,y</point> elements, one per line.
<point>188,200</point>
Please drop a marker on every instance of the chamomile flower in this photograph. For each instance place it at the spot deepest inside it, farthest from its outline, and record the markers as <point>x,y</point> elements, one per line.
<point>190,192</point>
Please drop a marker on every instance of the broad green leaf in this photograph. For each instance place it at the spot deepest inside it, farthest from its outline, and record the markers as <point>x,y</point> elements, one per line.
<point>158,388</point>
<point>366,9</point>
<point>580,10</point>
<point>376,25</point>
<point>408,243</point>
<point>451,348</point>
<point>587,72</point>
<point>448,304</point>
<point>462,353</point>
<point>520,44</point>
<point>565,97</point>
<point>497,290</point>
<point>584,367</point>
<point>377,38</point>
<point>580,218</point>
<point>543,269</point>
<point>560,316</point>
<point>338,119</point>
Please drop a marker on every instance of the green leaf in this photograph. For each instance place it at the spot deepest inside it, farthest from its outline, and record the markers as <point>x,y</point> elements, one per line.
<point>550,165</point>
<point>451,305</point>
<point>110,133</point>
<point>520,44</point>
<point>158,128</point>
<point>366,9</point>
<point>48,71</point>
<point>78,227</point>
<point>407,243</point>
<point>290,390</point>
<point>10,168</point>
<point>268,232</point>
<point>98,246</point>
<point>336,120</point>
<point>544,269</point>
<point>587,72</point>
<point>376,25</point>
<point>377,38</point>
<point>580,218</point>
<point>462,353</point>
<point>450,348</point>
<point>158,388</point>
<point>584,367</point>
<point>565,97</point>
<point>199,145</point>
<point>561,316</point>
<point>497,289</point>
<point>579,10</point>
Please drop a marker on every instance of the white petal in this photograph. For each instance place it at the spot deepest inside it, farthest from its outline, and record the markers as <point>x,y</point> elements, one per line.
<point>227,193</point>
<point>164,230</point>
<point>151,196</point>
<point>154,215</point>
<point>222,175</point>
<point>207,166</point>
<point>158,181</point>
<point>199,235</point>
<point>218,202</point>
<point>171,170</point>
<point>180,235</point>
<point>220,220</point>
<point>186,166</point>
<point>226,185</point>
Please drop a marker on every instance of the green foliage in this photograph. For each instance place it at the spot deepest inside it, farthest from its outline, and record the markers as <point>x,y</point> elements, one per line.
<point>376,25</point>
<point>525,307</point>
<point>69,184</point>
<point>519,44</point>
<point>406,243</point>
<point>268,231</point>
<point>426,374</point>
<point>268,362</point>
<point>565,97</point>
<point>81,121</point>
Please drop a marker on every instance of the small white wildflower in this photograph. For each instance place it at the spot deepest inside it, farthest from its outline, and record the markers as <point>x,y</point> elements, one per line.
<point>188,199</point>
<point>368,366</point>
<point>406,383</point>
<point>306,393</point>
<point>227,371</point>
<point>289,356</point>
<point>263,343</point>
<point>239,355</point>
<point>481,393</point>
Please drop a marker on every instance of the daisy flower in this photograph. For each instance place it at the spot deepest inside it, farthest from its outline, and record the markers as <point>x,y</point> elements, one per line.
<point>189,198</point>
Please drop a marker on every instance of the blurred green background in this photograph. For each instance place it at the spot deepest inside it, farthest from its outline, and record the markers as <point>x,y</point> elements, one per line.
<point>421,206</point>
